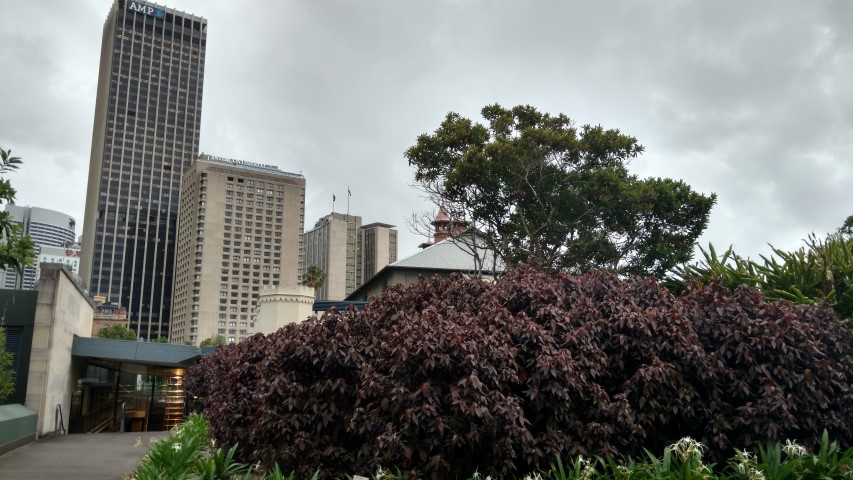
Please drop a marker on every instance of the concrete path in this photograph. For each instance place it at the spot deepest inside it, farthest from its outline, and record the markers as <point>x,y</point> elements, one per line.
<point>94,456</point>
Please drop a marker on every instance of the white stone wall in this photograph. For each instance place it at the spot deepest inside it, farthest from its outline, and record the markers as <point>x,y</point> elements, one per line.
<point>62,311</point>
<point>280,305</point>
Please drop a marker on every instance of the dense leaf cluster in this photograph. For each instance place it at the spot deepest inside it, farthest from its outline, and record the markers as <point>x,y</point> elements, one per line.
<point>820,271</point>
<point>448,376</point>
<point>16,250</point>
<point>117,332</point>
<point>7,376</point>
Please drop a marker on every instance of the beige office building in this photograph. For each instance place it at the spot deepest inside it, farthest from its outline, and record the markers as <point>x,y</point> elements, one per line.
<point>347,252</point>
<point>240,230</point>
<point>377,247</point>
<point>332,245</point>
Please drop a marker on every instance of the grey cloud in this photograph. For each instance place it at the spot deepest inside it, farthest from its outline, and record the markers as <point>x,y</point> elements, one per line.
<point>746,99</point>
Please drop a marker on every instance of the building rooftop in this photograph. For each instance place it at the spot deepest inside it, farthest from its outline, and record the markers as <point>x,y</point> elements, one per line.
<point>246,165</point>
<point>145,353</point>
<point>450,254</point>
<point>378,224</point>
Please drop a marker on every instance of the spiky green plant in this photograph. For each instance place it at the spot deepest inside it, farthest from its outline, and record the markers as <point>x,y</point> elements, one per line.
<point>821,270</point>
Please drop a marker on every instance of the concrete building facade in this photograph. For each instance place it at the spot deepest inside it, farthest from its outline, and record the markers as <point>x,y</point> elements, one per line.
<point>332,245</point>
<point>240,231</point>
<point>48,228</point>
<point>145,136</point>
<point>348,252</point>
<point>377,247</point>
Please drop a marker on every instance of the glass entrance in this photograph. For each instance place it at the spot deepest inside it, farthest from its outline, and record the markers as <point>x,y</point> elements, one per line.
<point>117,396</point>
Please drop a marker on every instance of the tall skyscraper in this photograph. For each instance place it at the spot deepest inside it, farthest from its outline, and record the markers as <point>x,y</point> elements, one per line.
<point>145,136</point>
<point>240,230</point>
<point>48,228</point>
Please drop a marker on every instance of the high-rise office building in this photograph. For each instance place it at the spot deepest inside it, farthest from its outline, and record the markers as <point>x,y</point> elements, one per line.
<point>240,230</point>
<point>145,136</point>
<point>48,228</point>
<point>332,245</point>
<point>377,247</point>
<point>347,252</point>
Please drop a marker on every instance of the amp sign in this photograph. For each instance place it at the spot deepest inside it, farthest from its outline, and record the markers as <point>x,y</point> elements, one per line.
<point>146,10</point>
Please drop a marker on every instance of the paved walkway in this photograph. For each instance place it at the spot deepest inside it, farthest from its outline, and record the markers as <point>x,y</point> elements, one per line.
<point>94,456</point>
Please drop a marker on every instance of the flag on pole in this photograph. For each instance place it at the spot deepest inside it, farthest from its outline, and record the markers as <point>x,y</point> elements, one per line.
<point>333,197</point>
<point>348,192</point>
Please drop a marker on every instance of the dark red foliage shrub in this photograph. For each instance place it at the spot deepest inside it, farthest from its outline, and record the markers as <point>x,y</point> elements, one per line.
<point>449,376</point>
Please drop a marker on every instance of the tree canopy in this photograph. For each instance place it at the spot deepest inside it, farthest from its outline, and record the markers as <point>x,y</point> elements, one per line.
<point>314,277</point>
<point>117,332</point>
<point>214,341</point>
<point>846,228</point>
<point>16,251</point>
<point>540,190</point>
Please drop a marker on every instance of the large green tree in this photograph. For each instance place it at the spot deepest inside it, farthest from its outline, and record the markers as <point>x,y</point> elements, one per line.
<point>117,332</point>
<point>16,251</point>
<point>539,189</point>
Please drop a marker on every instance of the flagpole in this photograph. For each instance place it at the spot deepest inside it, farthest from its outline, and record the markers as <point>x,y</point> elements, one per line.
<point>349,194</point>
<point>333,203</point>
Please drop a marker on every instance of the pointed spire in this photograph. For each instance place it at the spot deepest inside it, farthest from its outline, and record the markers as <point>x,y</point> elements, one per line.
<point>445,226</point>
<point>442,214</point>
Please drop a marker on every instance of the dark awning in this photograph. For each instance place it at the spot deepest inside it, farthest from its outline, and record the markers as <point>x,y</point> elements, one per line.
<point>143,353</point>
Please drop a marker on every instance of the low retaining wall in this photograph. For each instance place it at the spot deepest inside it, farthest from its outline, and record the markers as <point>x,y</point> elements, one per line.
<point>17,426</point>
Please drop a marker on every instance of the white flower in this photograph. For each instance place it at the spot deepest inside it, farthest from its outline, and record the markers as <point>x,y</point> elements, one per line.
<point>687,448</point>
<point>747,465</point>
<point>176,447</point>
<point>476,474</point>
<point>793,450</point>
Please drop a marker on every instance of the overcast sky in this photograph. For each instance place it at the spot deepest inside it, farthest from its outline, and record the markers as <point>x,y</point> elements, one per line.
<point>750,100</point>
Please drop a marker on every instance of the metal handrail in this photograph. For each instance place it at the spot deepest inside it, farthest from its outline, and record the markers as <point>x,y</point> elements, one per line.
<point>121,429</point>
<point>58,423</point>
